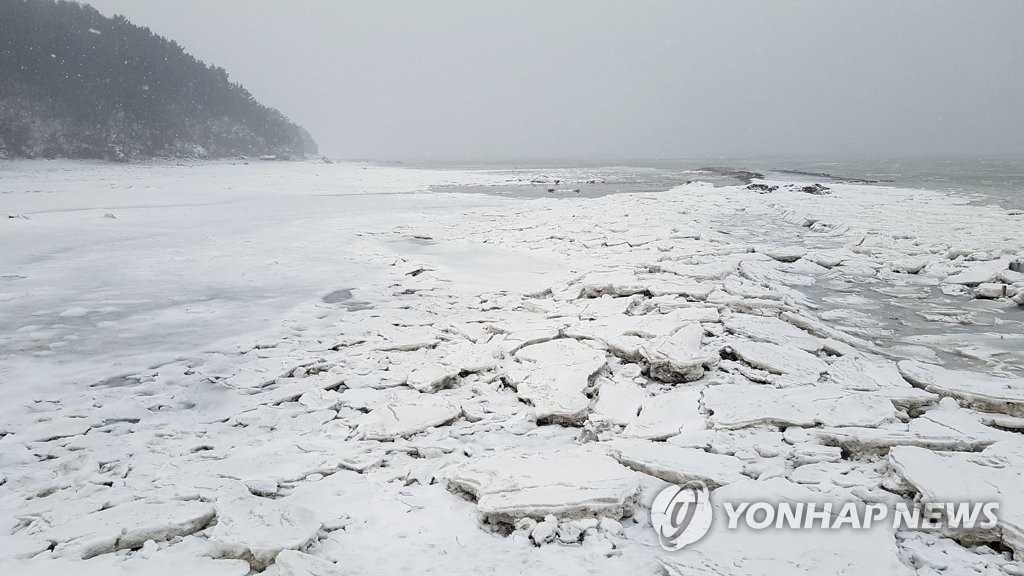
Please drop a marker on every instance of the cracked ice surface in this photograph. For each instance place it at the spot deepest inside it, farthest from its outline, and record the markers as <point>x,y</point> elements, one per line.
<point>566,484</point>
<point>258,529</point>
<point>365,376</point>
<point>553,376</point>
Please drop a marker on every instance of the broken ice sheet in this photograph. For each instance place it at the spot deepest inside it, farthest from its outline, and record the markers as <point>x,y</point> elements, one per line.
<point>741,405</point>
<point>677,464</point>
<point>270,462</point>
<point>772,330</point>
<point>650,325</point>
<point>407,417</point>
<point>979,272</point>
<point>295,563</point>
<point>989,393</point>
<point>679,357</point>
<point>668,414</point>
<point>780,360</point>
<point>879,376</point>
<point>446,363</point>
<point>257,529</point>
<point>129,526</point>
<point>553,375</point>
<point>618,401</point>
<point>318,399</point>
<point>944,428</point>
<point>567,484</point>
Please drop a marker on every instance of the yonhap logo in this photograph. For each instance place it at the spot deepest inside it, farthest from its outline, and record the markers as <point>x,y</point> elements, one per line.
<point>681,515</point>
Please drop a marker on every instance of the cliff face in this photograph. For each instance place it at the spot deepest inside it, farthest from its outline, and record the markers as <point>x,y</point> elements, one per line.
<point>76,84</point>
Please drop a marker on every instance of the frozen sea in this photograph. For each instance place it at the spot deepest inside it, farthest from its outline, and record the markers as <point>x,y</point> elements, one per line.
<point>986,180</point>
<point>899,312</point>
<point>232,368</point>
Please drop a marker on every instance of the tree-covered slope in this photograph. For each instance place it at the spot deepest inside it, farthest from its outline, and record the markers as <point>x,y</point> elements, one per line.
<point>76,84</point>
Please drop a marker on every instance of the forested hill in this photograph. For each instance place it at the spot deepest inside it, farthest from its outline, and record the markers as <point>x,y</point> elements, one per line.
<point>76,84</point>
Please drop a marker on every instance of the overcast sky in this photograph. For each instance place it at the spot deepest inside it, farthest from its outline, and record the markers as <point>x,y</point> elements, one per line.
<point>595,79</point>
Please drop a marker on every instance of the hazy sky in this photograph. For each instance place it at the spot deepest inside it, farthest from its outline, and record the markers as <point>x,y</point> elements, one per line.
<point>444,79</point>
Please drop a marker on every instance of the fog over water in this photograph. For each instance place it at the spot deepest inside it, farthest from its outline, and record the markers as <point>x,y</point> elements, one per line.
<point>598,79</point>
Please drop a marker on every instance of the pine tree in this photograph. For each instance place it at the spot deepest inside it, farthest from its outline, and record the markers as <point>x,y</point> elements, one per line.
<point>76,84</point>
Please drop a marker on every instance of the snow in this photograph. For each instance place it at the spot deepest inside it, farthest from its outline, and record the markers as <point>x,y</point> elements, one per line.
<point>679,357</point>
<point>257,529</point>
<point>993,475</point>
<point>995,290</point>
<point>553,375</point>
<point>294,563</point>
<point>404,418</point>
<point>879,376</point>
<point>739,406</point>
<point>677,464</point>
<point>318,399</point>
<point>979,273</point>
<point>129,525</point>
<point>570,484</point>
<point>772,330</point>
<point>618,402</point>
<point>667,415</point>
<point>946,429</point>
<point>780,360</point>
<point>311,369</point>
<point>993,394</point>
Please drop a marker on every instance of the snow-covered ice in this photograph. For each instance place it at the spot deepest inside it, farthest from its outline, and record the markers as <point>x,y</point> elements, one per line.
<point>566,484</point>
<point>305,369</point>
<point>257,529</point>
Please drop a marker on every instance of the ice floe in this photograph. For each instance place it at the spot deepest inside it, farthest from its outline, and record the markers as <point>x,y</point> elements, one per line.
<point>406,417</point>
<point>677,464</point>
<point>128,526</point>
<point>570,484</point>
<point>985,392</point>
<point>668,414</point>
<point>739,406</point>
<point>553,376</point>
<point>257,529</point>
